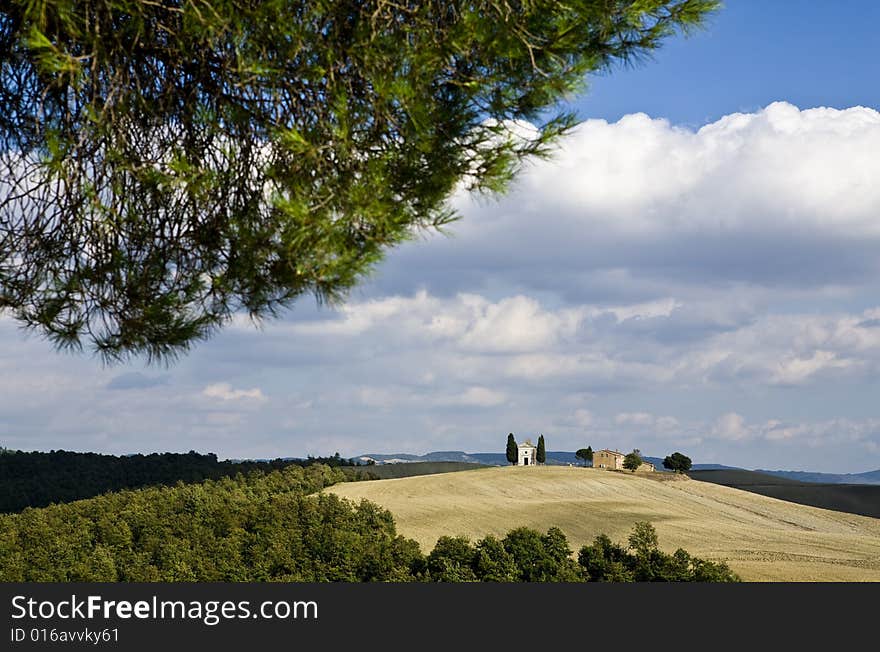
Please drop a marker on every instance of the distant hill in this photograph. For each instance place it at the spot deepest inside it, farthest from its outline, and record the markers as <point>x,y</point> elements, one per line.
<point>658,464</point>
<point>554,458</point>
<point>564,458</point>
<point>491,459</point>
<point>863,499</point>
<point>868,477</point>
<point>410,469</point>
<point>436,456</point>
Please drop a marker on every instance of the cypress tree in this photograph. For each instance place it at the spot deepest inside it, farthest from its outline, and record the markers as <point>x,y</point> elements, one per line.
<point>512,449</point>
<point>542,453</point>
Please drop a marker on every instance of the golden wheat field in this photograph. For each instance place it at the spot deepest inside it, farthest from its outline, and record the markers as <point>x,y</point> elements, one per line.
<point>761,538</point>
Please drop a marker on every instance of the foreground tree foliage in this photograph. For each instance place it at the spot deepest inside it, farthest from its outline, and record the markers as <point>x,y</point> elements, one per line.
<point>167,163</point>
<point>643,561</point>
<point>524,555</point>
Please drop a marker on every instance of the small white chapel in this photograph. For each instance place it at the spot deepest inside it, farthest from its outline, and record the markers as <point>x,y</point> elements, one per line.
<point>527,454</point>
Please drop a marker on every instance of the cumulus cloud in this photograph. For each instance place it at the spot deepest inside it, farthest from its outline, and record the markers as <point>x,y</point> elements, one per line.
<point>644,421</point>
<point>730,426</point>
<point>857,434</point>
<point>782,196</point>
<point>479,397</point>
<point>635,418</point>
<point>136,380</point>
<point>583,418</point>
<point>643,174</point>
<point>516,323</point>
<point>225,392</point>
<point>378,397</point>
<point>519,338</point>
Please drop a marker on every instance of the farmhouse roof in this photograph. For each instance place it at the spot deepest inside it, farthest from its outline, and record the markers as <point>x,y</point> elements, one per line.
<point>608,450</point>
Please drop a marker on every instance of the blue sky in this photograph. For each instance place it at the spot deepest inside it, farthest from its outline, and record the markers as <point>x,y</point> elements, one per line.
<point>753,53</point>
<point>694,270</point>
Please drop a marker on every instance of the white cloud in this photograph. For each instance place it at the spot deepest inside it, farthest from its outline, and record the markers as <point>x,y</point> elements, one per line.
<point>644,174</point>
<point>634,418</point>
<point>480,397</point>
<point>779,197</point>
<point>660,308</point>
<point>658,425</point>
<point>796,370</point>
<point>859,435</point>
<point>516,324</point>
<point>795,349</point>
<point>666,424</point>
<point>583,418</point>
<point>730,426</point>
<point>225,392</point>
<point>472,339</point>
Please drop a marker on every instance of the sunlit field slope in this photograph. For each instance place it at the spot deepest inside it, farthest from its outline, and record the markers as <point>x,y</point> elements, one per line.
<point>761,538</point>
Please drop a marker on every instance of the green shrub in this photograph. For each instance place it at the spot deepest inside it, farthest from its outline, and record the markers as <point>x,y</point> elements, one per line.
<point>605,561</point>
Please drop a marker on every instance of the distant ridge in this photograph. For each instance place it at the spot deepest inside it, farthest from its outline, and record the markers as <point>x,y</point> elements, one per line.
<point>863,499</point>
<point>658,464</point>
<point>564,458</point>
<point>868,477</point>
<point>554,458</point>
<point>436,456</point>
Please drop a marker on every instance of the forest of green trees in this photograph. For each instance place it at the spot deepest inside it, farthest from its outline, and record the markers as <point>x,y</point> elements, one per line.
<point>35,479</point>
<point>265,526</point>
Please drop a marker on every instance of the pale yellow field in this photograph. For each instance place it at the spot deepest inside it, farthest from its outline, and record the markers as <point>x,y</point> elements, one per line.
<point>762,539</point>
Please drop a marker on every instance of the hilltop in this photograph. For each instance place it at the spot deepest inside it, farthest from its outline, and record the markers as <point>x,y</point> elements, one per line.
<point>565,458</point>
<point>761,538</point>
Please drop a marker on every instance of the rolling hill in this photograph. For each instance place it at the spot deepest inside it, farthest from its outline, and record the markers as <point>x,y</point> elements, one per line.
<point>861,499</point>
<point>761,538</point>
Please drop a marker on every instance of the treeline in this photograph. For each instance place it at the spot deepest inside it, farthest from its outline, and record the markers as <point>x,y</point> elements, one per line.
<point>266,527</point>
<point>525,555</point>
<point>34,479</point>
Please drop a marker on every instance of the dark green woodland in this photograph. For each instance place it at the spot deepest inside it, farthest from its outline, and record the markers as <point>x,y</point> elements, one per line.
<point>36,479</point>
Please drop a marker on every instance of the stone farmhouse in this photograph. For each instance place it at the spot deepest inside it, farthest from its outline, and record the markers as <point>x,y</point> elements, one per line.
<point>611,459</point>
<point>608,459</point>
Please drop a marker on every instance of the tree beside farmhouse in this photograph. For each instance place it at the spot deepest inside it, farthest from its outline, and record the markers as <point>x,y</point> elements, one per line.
<point>677,462</point>
<point>632,461</point>
<point>585,454</point>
